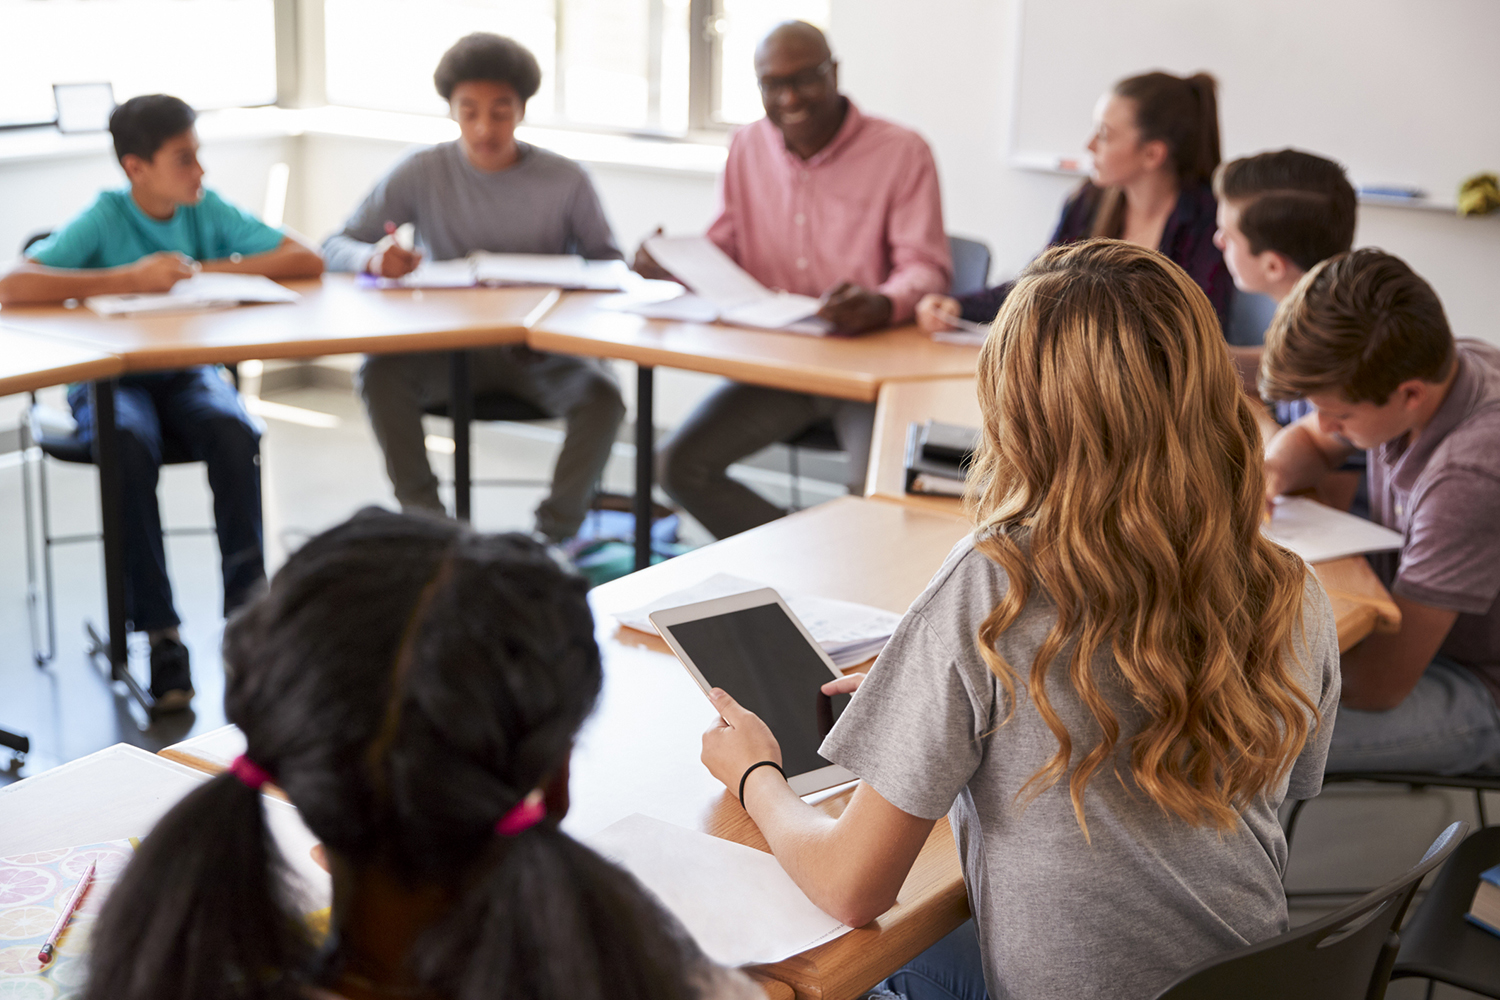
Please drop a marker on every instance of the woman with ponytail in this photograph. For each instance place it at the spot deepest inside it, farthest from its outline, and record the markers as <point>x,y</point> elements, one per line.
<point>1108,688</point>
<point>415,688</point>
<point>1155,146</point>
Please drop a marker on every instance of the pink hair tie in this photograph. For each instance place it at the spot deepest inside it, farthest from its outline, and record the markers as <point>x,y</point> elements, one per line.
<point>523,815</point>
<point>251,774</point>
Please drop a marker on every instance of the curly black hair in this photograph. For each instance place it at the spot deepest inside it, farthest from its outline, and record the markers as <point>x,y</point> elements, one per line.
<point>485,56</point>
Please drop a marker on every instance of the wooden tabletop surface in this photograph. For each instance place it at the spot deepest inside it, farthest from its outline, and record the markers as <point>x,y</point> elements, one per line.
<point>1361,604</point>
<point>337,314</point>
<point>844,367</point>
<point>30,362</point>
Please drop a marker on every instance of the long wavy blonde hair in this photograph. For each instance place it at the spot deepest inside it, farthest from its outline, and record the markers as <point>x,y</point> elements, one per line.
<point>1120,471</point>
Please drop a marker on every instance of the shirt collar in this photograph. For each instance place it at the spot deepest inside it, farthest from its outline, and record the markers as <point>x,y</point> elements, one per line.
<point>1409,462</point>
<point>853,122</point>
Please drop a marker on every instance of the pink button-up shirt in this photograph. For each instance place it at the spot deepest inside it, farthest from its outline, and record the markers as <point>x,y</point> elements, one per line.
<point>864,209</point>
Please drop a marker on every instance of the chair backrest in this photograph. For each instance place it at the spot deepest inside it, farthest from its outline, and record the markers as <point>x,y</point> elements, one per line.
<point>971,265</point>
<point>34,238</point>
<point>1347,955</point>
<point>1249,317</point>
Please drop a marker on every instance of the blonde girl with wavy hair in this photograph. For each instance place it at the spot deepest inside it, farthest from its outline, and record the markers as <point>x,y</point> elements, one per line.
<point>1108,688</point>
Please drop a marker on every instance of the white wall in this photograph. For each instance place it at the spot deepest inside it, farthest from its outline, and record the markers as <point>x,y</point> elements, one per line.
<point>945,69</point>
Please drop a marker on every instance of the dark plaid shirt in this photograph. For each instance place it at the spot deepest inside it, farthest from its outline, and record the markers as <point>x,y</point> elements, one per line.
<point>1188,239</point>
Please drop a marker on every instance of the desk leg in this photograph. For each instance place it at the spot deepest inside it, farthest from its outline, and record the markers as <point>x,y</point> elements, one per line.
<point>645,456</point>
<point>107,459</point>
<point>461,410</point>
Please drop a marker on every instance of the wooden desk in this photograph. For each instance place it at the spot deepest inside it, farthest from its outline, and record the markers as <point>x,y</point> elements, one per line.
<point>30,362</point>
<point>639,752</point>
<point>843,367</point>
<point>337,314</point>
<point>119,792</point>
<point>1360,603</point>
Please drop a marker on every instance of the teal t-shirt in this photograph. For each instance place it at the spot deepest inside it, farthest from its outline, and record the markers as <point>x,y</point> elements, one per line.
<point>114,231</point>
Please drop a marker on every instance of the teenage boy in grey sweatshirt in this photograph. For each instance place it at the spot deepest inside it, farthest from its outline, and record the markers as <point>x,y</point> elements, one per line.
<point>485,191</point>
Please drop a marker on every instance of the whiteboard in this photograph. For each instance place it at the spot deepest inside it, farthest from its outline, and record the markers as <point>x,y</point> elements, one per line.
<point>1402,92</point>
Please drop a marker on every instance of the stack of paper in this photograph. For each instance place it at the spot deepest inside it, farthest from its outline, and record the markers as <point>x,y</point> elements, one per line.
<point>723,291</point>
<point>201,291</point>
<point>435,274</point>
<point>1318,533</point>
<point>569,272</point>
<point>849,633</point>
<point>735,901</point>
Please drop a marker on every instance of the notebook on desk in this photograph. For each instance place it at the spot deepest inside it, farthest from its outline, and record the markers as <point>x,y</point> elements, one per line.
<point>938,457</point>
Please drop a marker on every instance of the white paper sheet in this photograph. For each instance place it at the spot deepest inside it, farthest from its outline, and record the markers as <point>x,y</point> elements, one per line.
<point>684,308</point>
<point>1318,533</point>
<point>698,263</point>
<point>201,291</point>
<point>849,633</point>
<point>778,312</point>
<point>565,271</point>
<point>736,902</point>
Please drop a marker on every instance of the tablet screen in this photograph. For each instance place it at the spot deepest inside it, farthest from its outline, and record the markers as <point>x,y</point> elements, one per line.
<point>760,658</point>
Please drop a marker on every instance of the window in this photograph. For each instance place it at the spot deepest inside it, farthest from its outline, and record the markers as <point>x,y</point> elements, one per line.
<point>630,65</point>
<point>736,28</point>
<point>210,53</point>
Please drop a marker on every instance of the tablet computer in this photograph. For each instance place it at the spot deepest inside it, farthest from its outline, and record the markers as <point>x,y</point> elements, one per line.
<point>752,646</point>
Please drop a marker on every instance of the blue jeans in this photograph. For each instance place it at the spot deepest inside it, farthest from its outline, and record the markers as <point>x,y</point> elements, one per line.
<point>1449,724</point>
<point>952,969</point>
<point>195,414</point>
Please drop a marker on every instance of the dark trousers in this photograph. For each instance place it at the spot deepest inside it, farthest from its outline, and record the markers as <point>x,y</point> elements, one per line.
<point>197,416</point>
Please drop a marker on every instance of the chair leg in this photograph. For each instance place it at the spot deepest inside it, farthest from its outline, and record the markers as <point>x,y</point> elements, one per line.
<point>792,453</point>
<point>28,523</point>
<point>47,575</point>
<point>1479,807</point>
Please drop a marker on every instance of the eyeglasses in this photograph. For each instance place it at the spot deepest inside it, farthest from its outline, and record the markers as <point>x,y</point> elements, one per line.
<point>805,82</point>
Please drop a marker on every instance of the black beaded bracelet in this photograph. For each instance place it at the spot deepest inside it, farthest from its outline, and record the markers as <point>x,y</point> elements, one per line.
<point>752,767</point>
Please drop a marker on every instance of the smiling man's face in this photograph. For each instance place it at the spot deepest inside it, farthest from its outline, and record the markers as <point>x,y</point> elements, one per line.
<point>799,89</point>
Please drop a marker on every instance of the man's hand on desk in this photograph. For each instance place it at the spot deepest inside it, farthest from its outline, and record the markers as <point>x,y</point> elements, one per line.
<point>936,312</point>
<point>158,272</point>
<point>852,309</point>
<point>646,266</point>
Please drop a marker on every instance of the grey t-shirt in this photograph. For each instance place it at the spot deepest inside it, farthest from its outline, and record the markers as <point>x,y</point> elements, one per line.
<point>1059,917</point>
<point>1442,492</point>
<point>543,203</point>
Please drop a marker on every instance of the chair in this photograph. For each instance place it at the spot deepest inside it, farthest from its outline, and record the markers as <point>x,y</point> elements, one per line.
<point>1249,317</point>
<point>1346,955</point>
<point>55,434</point>
<point>971,271</point>
<point>1438,944</point>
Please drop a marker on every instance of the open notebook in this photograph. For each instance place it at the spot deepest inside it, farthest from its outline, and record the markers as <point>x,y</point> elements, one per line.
<point>201,291</point>
<point>723,291</point>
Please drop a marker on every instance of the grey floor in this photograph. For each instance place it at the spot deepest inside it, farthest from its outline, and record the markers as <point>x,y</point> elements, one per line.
<point>316,475</point>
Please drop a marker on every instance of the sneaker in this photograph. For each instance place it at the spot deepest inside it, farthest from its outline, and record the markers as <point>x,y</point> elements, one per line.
<point>171,678</point>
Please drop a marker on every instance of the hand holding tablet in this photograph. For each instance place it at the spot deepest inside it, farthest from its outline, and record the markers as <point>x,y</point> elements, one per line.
<point>751,646</point>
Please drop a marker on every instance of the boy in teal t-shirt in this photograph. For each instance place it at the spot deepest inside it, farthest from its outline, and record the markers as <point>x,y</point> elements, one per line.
<point>146,238</point>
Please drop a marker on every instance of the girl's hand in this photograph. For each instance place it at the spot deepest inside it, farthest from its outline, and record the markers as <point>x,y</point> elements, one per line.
<point>736,741</point>
<point>846,684</point>
<point>935,313</point>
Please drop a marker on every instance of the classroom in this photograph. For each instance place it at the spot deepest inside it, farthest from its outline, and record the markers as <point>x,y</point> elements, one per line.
<point>450,447</point>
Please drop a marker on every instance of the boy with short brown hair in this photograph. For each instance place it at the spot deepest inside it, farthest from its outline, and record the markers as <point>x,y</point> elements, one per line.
<point>1365,340</point>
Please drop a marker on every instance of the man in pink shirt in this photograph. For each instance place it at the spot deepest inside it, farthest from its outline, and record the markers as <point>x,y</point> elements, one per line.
<point>817,199</point>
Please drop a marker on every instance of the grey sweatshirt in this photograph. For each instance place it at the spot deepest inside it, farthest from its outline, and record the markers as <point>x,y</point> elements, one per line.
<point>544,203</point>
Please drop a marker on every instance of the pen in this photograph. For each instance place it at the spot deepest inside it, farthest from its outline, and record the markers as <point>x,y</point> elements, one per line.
<point>45,955</point>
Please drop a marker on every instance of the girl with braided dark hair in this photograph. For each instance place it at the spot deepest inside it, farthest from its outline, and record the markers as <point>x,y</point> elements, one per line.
<point>414,687</point>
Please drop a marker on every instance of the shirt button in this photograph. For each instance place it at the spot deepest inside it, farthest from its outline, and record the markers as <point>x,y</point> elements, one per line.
<point>802,263</point>
<point>799,219</point>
